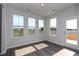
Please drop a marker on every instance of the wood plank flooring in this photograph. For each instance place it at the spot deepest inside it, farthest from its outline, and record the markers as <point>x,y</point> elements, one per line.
<point>41,49</point>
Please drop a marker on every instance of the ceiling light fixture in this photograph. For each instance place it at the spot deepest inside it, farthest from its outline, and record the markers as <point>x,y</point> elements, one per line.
<point>42,4</point>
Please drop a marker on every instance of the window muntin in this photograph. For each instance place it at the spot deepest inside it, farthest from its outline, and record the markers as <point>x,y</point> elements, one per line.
<point>71,31</point>
<point>31,25</point>
<point>71,24</point>
<point>18,25</point>
<point>41,25</point>
<point>53,27</point>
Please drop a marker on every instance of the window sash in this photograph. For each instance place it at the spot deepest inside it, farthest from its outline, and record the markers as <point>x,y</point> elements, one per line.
<point>31,25</point>
<point>53,25</point>
<point>18,25</point>
<point>41,23</point>
<point>17,32</point>
<point>18,20</point>
<point>31,22</point>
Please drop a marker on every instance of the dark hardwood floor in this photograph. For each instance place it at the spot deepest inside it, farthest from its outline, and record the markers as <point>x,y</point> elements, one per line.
<point>50,50</point>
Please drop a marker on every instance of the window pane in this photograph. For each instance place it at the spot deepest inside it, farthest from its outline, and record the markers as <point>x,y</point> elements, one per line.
<point>71,24</point>
<point>71,30</point>
<point>31,25</point>
<point>53,26</point>
<point>41,25</point>
<point>18,32</point>
<point>21,21</point>
<point>15,20</point>
<point>21,32</point>
<point>18,24</point>
<point>53,23</point>
<point>15,32</point>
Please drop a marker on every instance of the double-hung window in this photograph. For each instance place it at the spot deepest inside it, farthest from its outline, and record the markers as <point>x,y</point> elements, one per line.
<point>52,31</point>
<point>31,25</point>
<point>18,25</point>
<point>71,31</point>
<point>41,25</point>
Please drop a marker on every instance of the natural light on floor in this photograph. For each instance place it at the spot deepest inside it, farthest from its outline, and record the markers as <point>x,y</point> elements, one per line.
<point>64,52</point>
<point>24,51</point>
<point>41,46</point>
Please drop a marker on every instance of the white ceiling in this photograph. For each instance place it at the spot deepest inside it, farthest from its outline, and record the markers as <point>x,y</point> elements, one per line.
<point>36,8</point>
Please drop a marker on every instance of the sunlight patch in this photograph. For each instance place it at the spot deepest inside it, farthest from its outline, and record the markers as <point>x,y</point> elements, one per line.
<point>41,46</point>
<point>24,51</point>
<point>64,52</point>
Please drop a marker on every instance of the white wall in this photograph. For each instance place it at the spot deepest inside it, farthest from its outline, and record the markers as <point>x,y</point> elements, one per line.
<point>3,50</point>
<point>8,41</point>
<point>62,16</point>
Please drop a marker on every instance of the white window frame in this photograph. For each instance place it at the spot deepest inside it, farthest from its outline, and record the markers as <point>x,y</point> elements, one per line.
<point>34,27</point>
<point>72,42</point>
<point>17,26</point>
<point>50,26</point>
<point>42,24</point>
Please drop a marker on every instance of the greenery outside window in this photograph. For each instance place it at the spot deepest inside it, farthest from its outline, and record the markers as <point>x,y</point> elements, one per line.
<point>31,25</point>
<point>18,25</point>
